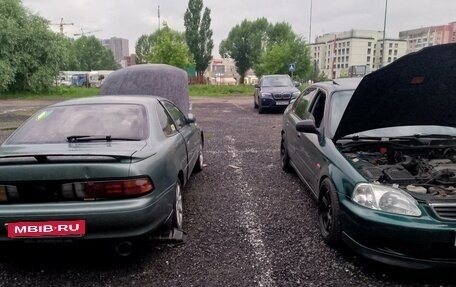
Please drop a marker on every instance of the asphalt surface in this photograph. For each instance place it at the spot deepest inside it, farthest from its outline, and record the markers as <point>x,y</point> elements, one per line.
<point>247,223</point>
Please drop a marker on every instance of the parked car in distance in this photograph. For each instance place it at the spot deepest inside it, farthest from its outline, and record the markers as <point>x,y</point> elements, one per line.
<point>274,92</point>
<point>107,167</point>
<point>379,156</point>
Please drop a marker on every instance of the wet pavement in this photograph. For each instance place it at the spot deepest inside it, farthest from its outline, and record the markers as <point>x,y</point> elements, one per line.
<point>247,223</point>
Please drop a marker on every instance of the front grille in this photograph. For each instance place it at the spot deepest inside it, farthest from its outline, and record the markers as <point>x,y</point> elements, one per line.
<point>281,96</point>
<point>445,211</point>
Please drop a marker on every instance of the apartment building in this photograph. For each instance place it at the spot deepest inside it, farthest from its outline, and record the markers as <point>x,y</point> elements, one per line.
<point>118,46</point>
<point>429,36</point>
<point>334,53</point>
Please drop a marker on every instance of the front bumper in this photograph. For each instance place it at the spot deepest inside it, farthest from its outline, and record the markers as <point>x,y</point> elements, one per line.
<point>272,103</point>
<point>110,219</point>
<point>411,242</point>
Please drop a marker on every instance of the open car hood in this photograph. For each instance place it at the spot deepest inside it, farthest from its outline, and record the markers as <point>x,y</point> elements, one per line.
<point>417,89</point>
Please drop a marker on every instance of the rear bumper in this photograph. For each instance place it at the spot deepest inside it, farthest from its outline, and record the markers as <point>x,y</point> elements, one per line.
<point>103,219</point>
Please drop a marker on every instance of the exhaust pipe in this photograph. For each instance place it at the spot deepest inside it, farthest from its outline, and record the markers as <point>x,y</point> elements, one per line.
<point>124,248</point>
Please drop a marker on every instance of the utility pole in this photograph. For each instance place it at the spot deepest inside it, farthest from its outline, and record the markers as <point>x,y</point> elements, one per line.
<point>384,33</point>
<point>159,22</point>
<point>310,24</point>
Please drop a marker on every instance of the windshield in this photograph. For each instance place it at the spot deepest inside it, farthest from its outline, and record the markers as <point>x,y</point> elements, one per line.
<point>56,124</point>
<point>339,103</point>
<point>277,82</point>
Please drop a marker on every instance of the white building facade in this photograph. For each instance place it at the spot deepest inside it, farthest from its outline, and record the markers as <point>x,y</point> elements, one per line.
<point>335,53</point>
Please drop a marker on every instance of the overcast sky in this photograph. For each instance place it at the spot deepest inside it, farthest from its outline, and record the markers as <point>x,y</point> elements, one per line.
<point>131,19</point>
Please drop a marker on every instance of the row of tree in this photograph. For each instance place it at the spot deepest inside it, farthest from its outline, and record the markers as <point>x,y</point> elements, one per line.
<point>267,48</point>
<point>31,55</point>
<point>191,48</point>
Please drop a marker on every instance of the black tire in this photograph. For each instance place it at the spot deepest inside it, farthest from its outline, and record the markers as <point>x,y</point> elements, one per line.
<point>177,207</point>
<point>284,156</point>
<point>260,109</point>
<point>328,213</point>
<point>200,162</point>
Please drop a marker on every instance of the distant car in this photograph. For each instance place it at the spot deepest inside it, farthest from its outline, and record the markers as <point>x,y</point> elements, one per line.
<point>379,155</point>
<point>107,167</point>
<point>274,92</point>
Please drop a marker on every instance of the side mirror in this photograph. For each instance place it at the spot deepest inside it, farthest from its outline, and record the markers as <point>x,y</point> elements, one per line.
<point>297,84</point>
<point>191,118</point>
<point>307,126</point>
<point>257,86</point>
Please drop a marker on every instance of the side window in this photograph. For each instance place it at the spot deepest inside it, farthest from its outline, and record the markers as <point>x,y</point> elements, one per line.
<point>301,106</point>
<point>166,122</point>
<point>178,117</point>
<point>318,108</point>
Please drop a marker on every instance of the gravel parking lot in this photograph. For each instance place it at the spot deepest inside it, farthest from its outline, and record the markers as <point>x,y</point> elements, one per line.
<point>247,223</point>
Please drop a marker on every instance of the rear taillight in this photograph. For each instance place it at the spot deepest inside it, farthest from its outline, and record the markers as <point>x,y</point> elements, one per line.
<point>91,190</point>
<point>8,192</point>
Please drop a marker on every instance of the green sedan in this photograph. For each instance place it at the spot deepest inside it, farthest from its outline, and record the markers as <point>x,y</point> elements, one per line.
<point>109,167</point>
<point>379,156</point>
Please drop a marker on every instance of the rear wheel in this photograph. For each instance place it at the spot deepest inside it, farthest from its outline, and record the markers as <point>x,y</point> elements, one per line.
<point>328,213</point>
<point>200,162</point>
<point>178,207</point>
<point>284,157</point>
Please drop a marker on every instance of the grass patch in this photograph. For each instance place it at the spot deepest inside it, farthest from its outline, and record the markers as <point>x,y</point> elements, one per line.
<point>222,90</point>
<point>55,93</point>
<point>62,93</point>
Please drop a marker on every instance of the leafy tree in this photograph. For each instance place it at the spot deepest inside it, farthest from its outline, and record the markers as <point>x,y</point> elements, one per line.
<point>169,47</point>
<point>198,35</point>
<point>91,55</point>
<point>143,48</point>
<point>31,55</point>
<point>245,44</point>
<point>278,56</point>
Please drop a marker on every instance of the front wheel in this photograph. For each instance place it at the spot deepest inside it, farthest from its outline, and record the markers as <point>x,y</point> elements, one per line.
<point>178,207</point>
<point>328,213</point>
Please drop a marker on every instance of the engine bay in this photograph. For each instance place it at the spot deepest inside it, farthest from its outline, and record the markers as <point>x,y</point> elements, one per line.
<point>427,170</point>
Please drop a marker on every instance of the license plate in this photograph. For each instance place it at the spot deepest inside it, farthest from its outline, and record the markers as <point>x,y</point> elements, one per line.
<point>282,103</point>
<point>73,228</point>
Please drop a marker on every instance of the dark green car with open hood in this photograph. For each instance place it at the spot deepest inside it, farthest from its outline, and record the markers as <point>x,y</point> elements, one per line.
<point>109,167</point>
<point>379,155</point>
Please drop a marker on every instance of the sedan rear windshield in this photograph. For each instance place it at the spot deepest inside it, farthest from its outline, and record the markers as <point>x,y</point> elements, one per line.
<point>57,124</point>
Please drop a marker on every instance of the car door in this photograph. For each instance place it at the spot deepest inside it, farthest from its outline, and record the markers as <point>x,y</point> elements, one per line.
<point>188,131</point>
<point>307,148</point>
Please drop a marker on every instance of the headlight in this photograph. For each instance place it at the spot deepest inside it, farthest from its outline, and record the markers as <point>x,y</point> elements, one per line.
<point>266,95</point>
<point>295,95</point>
<point>385,198</point>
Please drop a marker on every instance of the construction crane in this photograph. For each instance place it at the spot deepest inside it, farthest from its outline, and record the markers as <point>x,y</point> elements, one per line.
<point>61,24</point>
<point>83,33</point>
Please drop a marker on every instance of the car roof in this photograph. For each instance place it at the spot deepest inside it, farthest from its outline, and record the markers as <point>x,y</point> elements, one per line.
<point>128,99</point>
<point>276,75</point>
<point>340,84</point>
